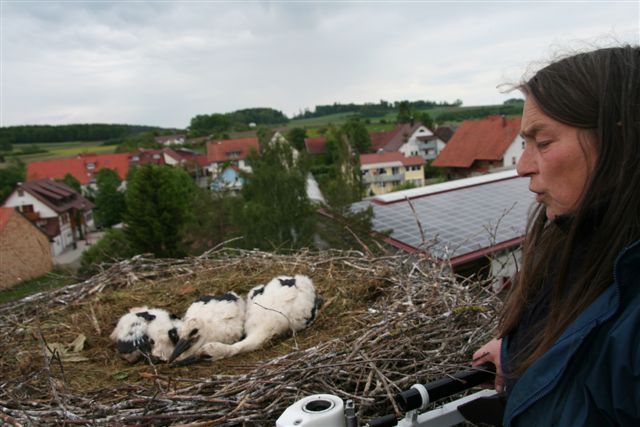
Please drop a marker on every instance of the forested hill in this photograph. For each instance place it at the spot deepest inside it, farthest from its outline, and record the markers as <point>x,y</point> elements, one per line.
<point>371,109</point>
<point>76,132</point>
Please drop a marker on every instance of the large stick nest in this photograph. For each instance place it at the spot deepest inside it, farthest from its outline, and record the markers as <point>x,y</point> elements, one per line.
<point>386,323</point>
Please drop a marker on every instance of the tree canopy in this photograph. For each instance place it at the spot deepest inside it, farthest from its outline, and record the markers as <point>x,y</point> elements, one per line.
<point>10,176</point>
<point>109,201</point>
<point>66,133</point>
<point>356,133</point>
<point>158,205</point>
<point>217,123</point>
<point>274,211</point>
<point>372,109</point>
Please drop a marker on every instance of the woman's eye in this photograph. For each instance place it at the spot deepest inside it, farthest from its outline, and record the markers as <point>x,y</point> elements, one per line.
<point>543,144</point>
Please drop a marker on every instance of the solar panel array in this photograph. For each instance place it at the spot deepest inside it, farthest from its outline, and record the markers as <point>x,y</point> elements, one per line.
<point>460,221</point>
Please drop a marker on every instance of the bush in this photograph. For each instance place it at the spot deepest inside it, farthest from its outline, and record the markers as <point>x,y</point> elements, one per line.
<point>114,246</point>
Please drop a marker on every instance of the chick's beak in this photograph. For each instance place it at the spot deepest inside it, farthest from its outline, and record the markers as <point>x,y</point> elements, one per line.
<point>182,345</point>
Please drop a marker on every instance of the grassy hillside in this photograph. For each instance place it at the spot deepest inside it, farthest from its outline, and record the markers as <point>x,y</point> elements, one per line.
<point>442,115</point>
<point>57,150</point>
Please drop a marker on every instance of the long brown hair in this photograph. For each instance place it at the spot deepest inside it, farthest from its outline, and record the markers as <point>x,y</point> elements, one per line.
<point>598,91</point>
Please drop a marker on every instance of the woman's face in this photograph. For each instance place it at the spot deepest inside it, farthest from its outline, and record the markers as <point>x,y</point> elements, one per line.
<point>557,158</point>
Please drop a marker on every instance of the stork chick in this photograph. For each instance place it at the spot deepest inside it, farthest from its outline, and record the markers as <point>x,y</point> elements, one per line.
<point>285,304</point>
<point>143,331</point>
<point>209,319</point>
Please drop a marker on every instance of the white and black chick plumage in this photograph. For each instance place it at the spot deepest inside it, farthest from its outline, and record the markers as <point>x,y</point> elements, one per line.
<point>285,304</point>
<point>209,319</point>
<point>146,332</point>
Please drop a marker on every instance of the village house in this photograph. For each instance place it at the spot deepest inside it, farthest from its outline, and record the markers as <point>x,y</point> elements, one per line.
<point>229,152</point>
<point>315,146</point>
<point>481,146</point>
<point>409,139</point>
<point>83,167</point>
<point>58,210</point>
<point>169,140</point>
<point>382,172</point>
<point>145,156</point>
<point>24,249</point>
<point>230,179</point>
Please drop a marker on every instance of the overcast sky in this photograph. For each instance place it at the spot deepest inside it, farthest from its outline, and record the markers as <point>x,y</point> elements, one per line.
<point>161,63</point>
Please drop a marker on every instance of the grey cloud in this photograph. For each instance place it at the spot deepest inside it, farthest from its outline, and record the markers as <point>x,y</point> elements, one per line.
<point>163,63</point>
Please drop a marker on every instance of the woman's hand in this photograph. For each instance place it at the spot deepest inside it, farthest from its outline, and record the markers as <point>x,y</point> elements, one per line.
<point>490,352</point>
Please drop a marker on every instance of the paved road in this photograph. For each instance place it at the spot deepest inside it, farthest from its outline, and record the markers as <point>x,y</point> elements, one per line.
<point>71,257</point>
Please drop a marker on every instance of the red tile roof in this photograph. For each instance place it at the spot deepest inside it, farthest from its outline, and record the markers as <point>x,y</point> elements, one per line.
<point>486,139</point>
<point>380,139</point>
<point>392,140</point>
<point>77,166</point>
<point>5,214</point>
<point>56,195</point>
<point>230,149</point>
<point>316,145</point>
<point>186,155</point>
<point>369,159</point>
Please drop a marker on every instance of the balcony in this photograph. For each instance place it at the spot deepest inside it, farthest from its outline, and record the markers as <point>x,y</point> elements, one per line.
<point>370,179</point>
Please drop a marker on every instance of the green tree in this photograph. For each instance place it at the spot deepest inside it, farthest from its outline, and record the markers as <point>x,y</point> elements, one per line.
<point>344,185</point>
<point>356,133</point>
<point>212,225</point>
<point>405,113</point>
<point>10,176</point>
<point>296,137</point>
<point>141,140</point>
<point>274,211</point>
<point>109,201</point>
<point>113,246</point>
<point>426,119</point>
<point>158,205</point>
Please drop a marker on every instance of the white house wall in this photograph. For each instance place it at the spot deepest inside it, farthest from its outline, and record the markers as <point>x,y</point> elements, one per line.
<point>43,210</point>
<point>514,151</point>
<point>169,160</point>
<point>504,266</point>
<point>410,148</point>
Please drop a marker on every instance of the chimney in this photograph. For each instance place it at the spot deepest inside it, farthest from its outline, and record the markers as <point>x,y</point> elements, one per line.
<point>412,121</point>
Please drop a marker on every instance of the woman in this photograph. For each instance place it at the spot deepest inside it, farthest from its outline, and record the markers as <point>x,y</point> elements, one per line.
<point>568,346</point>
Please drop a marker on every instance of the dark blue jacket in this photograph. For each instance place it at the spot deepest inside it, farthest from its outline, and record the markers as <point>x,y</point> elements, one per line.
<point>591,375</point>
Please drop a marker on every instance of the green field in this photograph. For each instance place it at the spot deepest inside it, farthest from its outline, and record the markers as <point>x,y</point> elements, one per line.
<point>57,150</point>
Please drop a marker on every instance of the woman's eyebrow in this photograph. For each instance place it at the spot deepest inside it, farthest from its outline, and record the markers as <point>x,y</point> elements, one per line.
<point>532,130</point>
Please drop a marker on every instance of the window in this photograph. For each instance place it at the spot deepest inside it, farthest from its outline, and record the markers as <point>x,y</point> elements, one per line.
<point>20,192</point>
<point>523,145</point>
<point>26,208</point>
<point>395,171</point>
<point>382,171</point>
<point>91,166</point>
<point>513,160</point>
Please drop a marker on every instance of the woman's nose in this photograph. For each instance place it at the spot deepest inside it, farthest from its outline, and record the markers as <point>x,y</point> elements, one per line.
<point>526,164</point>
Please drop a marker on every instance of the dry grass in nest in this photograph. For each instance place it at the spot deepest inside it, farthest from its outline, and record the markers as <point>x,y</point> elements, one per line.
<point>386,323</point>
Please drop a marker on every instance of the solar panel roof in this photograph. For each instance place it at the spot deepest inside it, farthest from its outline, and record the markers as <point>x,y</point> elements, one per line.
<point>457,221</point>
